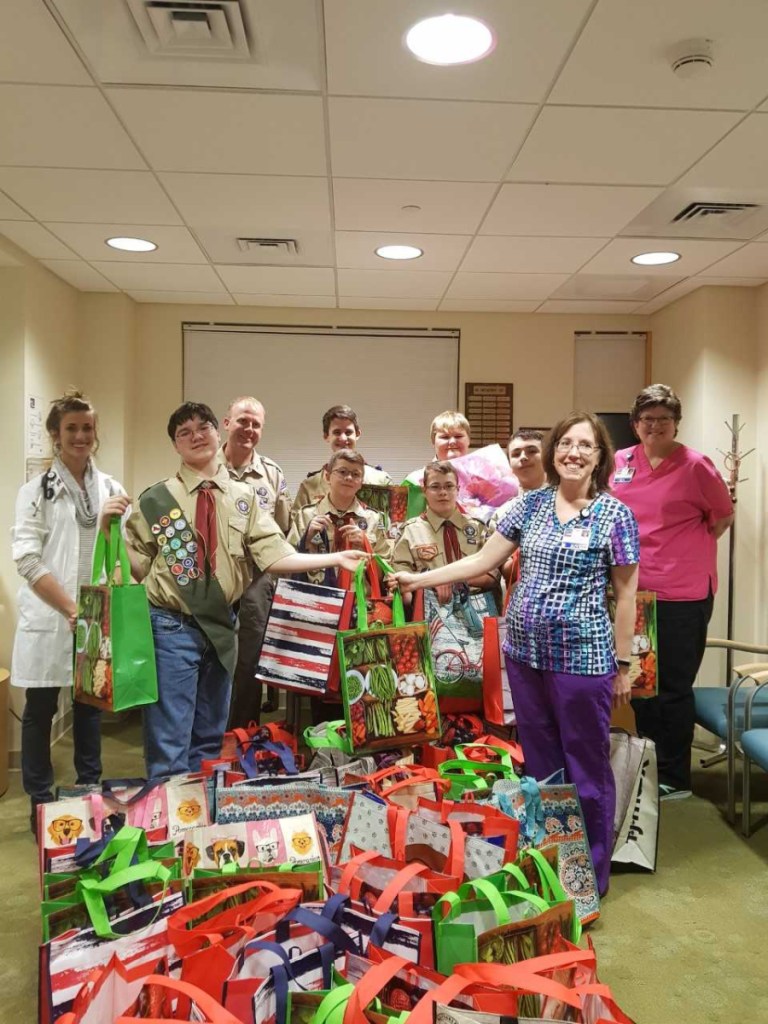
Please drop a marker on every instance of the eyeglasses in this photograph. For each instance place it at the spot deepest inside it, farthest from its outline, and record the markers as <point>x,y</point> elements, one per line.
<point>584,447</point>
<point>348,474</point>
<point>657,421</point>
<point>187,433</point>
<point>434,488</point>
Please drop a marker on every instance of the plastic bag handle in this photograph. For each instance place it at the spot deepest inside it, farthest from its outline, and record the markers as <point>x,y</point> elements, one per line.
<point>213,1010</point>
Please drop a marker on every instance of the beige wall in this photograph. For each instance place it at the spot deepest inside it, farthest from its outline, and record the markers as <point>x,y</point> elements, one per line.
<point>536,353</point>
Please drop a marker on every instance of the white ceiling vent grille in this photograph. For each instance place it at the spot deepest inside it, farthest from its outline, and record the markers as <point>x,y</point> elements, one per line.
<point>192,28</point>
<point>266,246</point>
<point>703,210</point>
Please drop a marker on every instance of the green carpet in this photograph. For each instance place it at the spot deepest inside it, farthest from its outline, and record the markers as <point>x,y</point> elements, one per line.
<point>687,943</point>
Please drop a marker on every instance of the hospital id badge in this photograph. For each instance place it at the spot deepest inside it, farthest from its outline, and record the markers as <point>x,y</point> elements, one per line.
<point>576,538</point>
<point>624,475</point>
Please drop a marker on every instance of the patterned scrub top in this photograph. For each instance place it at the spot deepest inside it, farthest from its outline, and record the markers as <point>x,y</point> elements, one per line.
<point>558,616</point>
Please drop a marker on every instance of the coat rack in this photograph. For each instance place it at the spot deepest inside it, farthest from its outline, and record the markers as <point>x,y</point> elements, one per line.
<point>732,461</point>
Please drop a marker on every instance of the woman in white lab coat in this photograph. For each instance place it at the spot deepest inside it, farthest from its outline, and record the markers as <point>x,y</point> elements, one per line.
<point>54,534</point>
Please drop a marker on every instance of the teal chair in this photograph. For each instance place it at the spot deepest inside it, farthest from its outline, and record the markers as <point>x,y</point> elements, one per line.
<point>754,747</point>
<point>720,709</point>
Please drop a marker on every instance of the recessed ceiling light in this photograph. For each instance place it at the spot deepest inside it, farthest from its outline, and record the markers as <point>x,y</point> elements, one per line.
<point>450,39</point>
<point>655,259</point>
<point>131,244</point>
<point>399,252</point>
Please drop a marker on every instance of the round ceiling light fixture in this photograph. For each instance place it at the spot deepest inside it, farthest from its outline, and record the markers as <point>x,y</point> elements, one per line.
<point>655,259</point>
<point>450,39</point>
<point>131,244</point>
<point>399,252</point>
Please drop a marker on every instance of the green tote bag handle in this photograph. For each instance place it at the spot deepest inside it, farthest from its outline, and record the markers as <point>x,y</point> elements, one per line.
<point>94,890</point>
<point>108,553</point>
<point>398,612</point>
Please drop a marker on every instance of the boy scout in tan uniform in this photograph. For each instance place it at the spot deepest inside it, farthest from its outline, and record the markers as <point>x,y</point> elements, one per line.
<point>338,516</point>
<point>442,533</point>
<point>193,540</point>
<point>341,431</point>
<point>244,424</point>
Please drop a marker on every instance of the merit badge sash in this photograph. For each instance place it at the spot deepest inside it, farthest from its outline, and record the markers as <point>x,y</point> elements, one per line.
<point>203,598</point>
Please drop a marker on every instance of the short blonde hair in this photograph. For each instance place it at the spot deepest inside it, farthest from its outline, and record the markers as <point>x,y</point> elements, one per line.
<point>451,419</point>
<point>244,400</point>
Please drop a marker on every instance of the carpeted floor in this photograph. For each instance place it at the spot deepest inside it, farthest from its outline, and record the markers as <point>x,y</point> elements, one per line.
<point>688,943</point>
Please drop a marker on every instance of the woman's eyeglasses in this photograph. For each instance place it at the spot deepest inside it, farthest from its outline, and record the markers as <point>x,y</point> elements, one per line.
<point>583,447</point>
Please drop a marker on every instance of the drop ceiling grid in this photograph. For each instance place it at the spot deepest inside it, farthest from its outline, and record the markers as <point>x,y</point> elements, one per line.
<point>174,197</point>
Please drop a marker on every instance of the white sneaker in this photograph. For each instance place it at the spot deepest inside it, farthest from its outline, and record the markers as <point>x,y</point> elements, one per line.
<point>670,793</point>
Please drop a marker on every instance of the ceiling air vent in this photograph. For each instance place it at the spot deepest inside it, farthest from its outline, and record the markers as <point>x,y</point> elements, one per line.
<point>264,246</point>
<point>700,211</point>
<point>192,28</point>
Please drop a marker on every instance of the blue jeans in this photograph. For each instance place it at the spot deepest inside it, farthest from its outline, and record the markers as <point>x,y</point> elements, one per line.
<point>187,723</point>
<point>36,768</point>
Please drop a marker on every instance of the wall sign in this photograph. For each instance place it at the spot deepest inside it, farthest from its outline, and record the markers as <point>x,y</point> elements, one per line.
<point>489,411</point>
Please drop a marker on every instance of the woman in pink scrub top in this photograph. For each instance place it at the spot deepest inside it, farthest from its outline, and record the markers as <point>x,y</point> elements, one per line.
<point>682,507</point>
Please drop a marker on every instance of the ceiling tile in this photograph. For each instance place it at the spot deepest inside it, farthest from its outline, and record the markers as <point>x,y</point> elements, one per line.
<point>183,298</point>
<point>750,261</point>
<point>425,139</point>
<point>376,204</point>
<point>616,257</point>
<point>576,210</point>
<point>626,49</point>
<point>35,240</point>
<point>250,204</point>
<point>88,196</point>
<point>278,280</point>
<point>394,284</point>
<point>169,277</point>
<point>315,248</point>
<point>50,60</point>
<point>174,245</point>
<point>233,132</point>
<point>730,282</point>
<point>358,302</point>
<point>53,126</point>
<point>10,211</point>
<point>488,306</point>
<point>698,212</point>
<point>739,161</point>
<point>617,146</point>
<point>355,249</point>
<point>285,48</point>
<point>366,53</point>
<point>586,306</point>
<point>79,275</point>
<point>312,301</point>
<point>637,288</point>
<point>495,254</point>
<point>504,286</point>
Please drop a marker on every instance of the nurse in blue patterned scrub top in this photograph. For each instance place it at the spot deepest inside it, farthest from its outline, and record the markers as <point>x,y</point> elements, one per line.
<point>567,666</point>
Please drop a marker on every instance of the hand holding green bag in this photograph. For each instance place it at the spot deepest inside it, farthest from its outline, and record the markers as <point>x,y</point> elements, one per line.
<point>114,651</point>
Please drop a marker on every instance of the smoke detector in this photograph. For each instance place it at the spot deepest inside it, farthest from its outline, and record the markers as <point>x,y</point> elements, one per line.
<point>692,58</point>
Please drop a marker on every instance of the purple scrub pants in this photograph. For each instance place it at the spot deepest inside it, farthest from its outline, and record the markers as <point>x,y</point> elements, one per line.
<point>563,721</point>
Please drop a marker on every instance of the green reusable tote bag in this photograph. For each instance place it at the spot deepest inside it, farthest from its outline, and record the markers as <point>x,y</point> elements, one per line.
<point>114,651</point>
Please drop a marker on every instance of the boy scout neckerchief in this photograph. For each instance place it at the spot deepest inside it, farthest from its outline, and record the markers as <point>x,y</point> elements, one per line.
<point>201,595</point>
<point>451,539</point>
<point>338,521</point>
<point>205,526</point>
